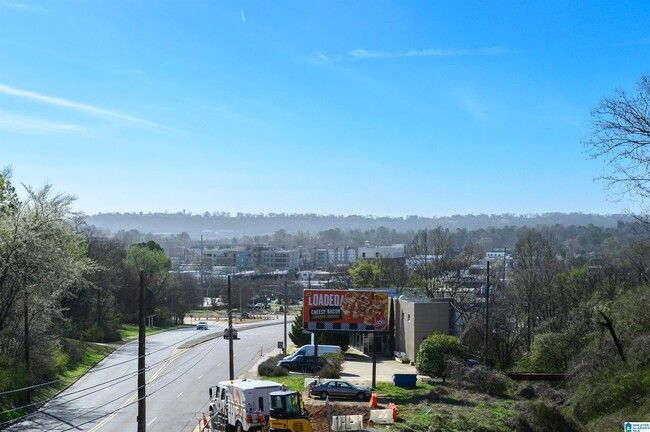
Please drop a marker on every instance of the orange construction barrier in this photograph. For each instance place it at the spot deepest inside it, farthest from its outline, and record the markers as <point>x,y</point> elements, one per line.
<point>373,400</point>
<point>393,407</point>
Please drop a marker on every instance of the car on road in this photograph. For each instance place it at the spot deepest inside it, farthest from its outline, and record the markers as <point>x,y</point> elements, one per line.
<point>228,333</point>
<point>201,325</point>
<point>339,389</point>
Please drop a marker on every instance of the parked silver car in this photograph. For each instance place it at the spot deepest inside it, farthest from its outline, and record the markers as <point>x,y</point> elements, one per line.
<point>339,388</point>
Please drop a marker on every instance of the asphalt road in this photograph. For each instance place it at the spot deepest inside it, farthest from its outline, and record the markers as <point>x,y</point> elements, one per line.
<point>105,399</point>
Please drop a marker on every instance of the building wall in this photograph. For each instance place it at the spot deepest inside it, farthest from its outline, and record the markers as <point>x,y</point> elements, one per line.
<point>370,252</point>
<point>416,320</point>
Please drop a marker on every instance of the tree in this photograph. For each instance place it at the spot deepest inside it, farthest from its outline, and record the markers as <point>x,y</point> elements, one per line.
<point>534,276</point>
<point>93,313</point>
<point>149,262</point>
<point>184,295</point>
<point>296,334</point>
<point>430,359</point>
<point>365,273</point>
<point>620,135</point>
<point>42,262</point>
<point>437,268</point>
<point>431,255</point>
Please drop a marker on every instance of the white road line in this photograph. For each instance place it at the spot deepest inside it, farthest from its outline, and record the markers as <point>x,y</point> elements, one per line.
<point>219,364</point>
<point>154,419</point>
<point>179,395</point>
<point>134,396</point>
<point>200,377</point>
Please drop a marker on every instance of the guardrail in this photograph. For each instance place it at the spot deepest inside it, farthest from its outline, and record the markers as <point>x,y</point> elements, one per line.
<point>524,376</point>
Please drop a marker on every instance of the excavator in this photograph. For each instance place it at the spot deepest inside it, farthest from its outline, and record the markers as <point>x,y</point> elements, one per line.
<point>288,413</point>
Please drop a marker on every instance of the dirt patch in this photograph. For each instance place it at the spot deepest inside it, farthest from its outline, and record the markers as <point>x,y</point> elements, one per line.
<point>318,410</point>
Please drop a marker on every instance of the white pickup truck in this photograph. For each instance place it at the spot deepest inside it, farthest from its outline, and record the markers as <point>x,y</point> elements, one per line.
<point>242,404</point>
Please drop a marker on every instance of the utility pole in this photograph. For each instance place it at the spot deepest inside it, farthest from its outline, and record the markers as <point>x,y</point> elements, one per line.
<point>203,281</point>
<point>142,390</point>
<point>284,347</point>
<point>504,265</point>
<point>487,316</point>
<point>231,359</point>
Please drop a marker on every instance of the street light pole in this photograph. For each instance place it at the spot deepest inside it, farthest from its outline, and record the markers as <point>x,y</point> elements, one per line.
<point>142,394</point>
<point>487,316</point>
<point>284,347</point>
<point>231,358</point>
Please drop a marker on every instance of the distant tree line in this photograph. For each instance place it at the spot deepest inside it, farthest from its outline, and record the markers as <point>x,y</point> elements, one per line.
<point>221,225</point>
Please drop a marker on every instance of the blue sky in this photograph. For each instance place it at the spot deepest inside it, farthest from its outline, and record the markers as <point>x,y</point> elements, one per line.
<point>385,108</point>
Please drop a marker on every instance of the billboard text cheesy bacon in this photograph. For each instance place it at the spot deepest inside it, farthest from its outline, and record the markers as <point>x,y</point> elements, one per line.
<point>367,308</point>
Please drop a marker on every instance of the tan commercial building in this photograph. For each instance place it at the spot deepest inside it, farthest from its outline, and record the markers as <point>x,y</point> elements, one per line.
<point>416,319</point>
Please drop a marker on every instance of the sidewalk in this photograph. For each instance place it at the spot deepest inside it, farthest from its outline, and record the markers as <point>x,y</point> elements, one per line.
<point>358,368</point>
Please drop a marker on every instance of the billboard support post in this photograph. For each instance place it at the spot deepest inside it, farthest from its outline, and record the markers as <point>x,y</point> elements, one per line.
<point>374,360</point>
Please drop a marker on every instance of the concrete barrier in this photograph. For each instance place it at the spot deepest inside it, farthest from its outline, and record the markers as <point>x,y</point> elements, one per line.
<point>383,416</point>
<point>347,423</point>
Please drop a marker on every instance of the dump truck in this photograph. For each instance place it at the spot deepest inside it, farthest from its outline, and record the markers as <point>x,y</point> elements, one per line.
<point>241,404</point>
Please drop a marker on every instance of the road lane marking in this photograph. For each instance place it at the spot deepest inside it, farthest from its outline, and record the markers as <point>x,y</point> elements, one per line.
<point>154,419</point>
<point>179,395</point>
<point>200,377</point>
<point>134,396</point>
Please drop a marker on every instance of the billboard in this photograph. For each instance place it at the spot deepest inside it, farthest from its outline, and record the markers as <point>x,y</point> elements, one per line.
<point>341,310</point>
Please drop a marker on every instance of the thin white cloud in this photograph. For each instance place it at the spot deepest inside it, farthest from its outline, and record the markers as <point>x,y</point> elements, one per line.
<point>30,125</point>
<point>363,54</point>
<point>89,109</point>
<point>645,41</point>
<point>26,7</point>
<point>431,52</point>
<point>319,57</point>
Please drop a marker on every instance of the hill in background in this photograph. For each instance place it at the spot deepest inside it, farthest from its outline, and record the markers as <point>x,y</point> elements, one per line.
<point>225,225</point>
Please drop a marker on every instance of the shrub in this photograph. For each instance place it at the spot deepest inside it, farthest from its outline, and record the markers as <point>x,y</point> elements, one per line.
<point>94,333</point>
<point>550,352</point>
<point>430,359</point>
<point>333,365</point>
<point>544,416</point>
<point>60,360</point>
<point>269,367</point>
<point>477,378</point>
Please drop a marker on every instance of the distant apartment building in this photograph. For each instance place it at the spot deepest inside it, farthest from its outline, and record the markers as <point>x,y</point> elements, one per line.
<point>281,259</point>
<point>221,257</point>
<point>245,260</point>
<point>322,257</point>
<point>369,252</point>
<point>345,255</point>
